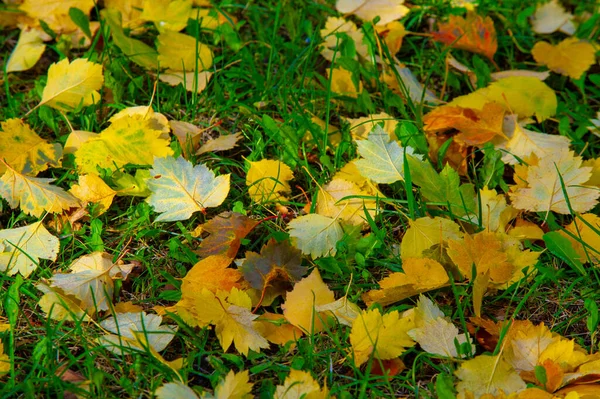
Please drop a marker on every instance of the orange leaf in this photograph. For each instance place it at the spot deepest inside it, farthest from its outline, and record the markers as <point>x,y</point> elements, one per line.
<point>474,33</point>
<point>213,274</point>
<point>226,232</point>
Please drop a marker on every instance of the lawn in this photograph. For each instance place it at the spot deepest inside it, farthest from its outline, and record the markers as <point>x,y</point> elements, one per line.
<point>299,199</point>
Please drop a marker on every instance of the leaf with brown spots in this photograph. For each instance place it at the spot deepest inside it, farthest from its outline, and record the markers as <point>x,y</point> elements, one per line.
<point>226,233</point>
<point>473,33</point>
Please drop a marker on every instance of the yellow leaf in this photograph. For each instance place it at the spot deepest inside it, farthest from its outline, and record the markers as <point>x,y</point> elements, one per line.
<point>135,186</point>
<point>367,10</point>
<point>28,51</point>
<point>495,213</point>
<point>487,374</point>
<point>92,188</point>
<point>136,331</point>
<point>179,52</point>
<point>343,310</point>
<point>174,390</point>
<point>316,235</point>
<point>129,139</point>
<point>267,180</point>
<point>585,234</point>
<point>393,33</point>
<point>425,232</point>
<point>420,275</point>
<point>335,25</point>
<point>234,386</point>
<point>157,121</point>
<point>58,305</point>
<point>131,11</point>
<point>34,195</point>
<point>342,84</point>
<point>300,385</point>
<point>4,361</point>
<point>127,307</point>
<point>381,336</point>
<point>361,127</point>
<point>351,173</point>
<point>221,143</point>
<point>276,329</point>
<point>22,248</point>
<point>525,96</point>
<point>213,274</point>
<point>167,14</point>
<point>330,203</point>
<point>24,150</point>
<point>76,139</point>
<point>543,191</point>
<point>595,177</point>
<point>571,57</point>
<point>56,13</point>
<point>179,189</point>
<point>301,303</point>
<point>194,82</point>
<point>550,17</point>
<point>525,342</point>
<point>72,84</point>
<point>564,353</point>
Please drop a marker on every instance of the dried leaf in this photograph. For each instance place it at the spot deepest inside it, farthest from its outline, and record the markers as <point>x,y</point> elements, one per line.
<point>21,248</point>
<point>221,143</point>
<point>212,273</point>
<point>367,10</point>
<point>486,374</point>
<point>136,331</point>
<point>226,233</point>
<point>300,384</point>
<point>423,233</point>
<point>473,33</point>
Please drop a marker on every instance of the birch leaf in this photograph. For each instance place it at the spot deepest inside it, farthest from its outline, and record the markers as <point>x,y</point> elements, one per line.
<point>22,248</point>
<point>28,51</point>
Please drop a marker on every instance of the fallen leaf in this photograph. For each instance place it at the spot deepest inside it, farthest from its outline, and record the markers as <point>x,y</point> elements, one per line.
<point>157,121</point>
<point>329,33</point>
<point>131,11</point>
<point>330,202</point>
<point>425,232</point>
<point>179,189</point>
<point>177,390</point>
<point>361,127</point>
<point>58,305</point>
<point>76,139</point>
<point>392,33</point>
<point>520,72</point>
<point>268,180</point>
<point>550,17</point>
<point>171,15</point>
<point>473,33</point>
<point>315,235</point>
<point>233,386</point>
<point>212,273</point>
<point>571,57</point>
<point>584,229</point>
<point>300,384</point>
<point>276,329</point>
<point>91,188</point>
<point>22,248</point>
<point>301,303</point>
<point>27,52</point>
<point>341,82</point>
<point>180,52</point>
<point>56,13</point>
<point>34,195</point>
<point>188,135</point>
<point>5,364</point>
<point>381,336</point>
<point>72,84</point>
<point>135,186</point>
<point>136,331</point>
<point>486,374</point>
<point>343,310</point>
<point>226,233</point>
<point>221,143</point>
<point>367,10</point>
<point>24,150</point>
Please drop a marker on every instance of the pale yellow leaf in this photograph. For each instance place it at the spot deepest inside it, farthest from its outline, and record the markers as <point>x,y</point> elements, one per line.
<point>157,121</point>
<point>268,180</point>
<point>135,186</point>
<point>343,310</point>
<point>194,82</point>
<point>131,11</point>
<point>91,188</point>
<point>367,10</point>
<point>316,235</point>
<point>221,143</point>
<point>550,17</point>
<point>361,127</point>
<point>175,390</point>
<point>583,233</point>
<point>335,25</point>
<point>180,52</point>
<point>136,331</point>
<point>425,232</point>
<point>179,189</point>
<point>300,385</point>
<point>486,374</point>
<point>56,13</point>
<point>72,84</point>
<point>330,203</point>
<point>233,386</point>
<point>342,84</point>
<point>28,51</point>
<point>22,248</point>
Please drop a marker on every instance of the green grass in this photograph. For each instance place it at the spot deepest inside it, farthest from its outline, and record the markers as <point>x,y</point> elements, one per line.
<point>269,81</point>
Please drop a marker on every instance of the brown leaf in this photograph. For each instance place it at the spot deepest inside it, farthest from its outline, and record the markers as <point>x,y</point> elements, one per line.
<point>474,33</point>
<point>226,233</point>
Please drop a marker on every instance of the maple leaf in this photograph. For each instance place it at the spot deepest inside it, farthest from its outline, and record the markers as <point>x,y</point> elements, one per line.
<point>473,33</point>
<point>382,158</point>
<point>550,17</point>
<point>21,248</point>
<point>213,274</point>
<point>434,333</point>
<point>92,188</point>
<point>221,143</point>
<point>27,52</point>
<point>72,84</point>
<point>525,343</point>
<point>367,10</point>
<point>91,280</point>
<point>330,202</point>
<point>179,52</point>
<point>275,269</point>
<point>34,195</point>
<point>233,386</point>
<point>522,95</point>
<point>300,384</point>
<point>486,374</point>
<point>361,127</point>
<point>167,14</point>
<point>136,331</point>
<point>542,188</point>
<point>420,275</point>
<point>571,57</point>
<point>315,235</point>
<point>276,329</point>
<point>300,304</point>
<point>583,230</point>
<point>24,150</point>
<point>226,233</point>
<point>425,232</point>
<point>130,139</point>
<point>179,189</point>
<point>267,180</point>
<point>523,142</point>
<point>381,336</point>
<point>329,33</point>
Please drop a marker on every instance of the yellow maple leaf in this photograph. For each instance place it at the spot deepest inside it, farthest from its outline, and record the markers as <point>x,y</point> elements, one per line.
<point>129,139</point>
<point>92,188</point>
<point>179,52</point>
<point>179,189</point>
<point>213,274</point>
<point>72,84</point>
<point>330,203</point>
<point>486,374</point>
<point>425,232</point>
<point>28,51</point>
<point>572,57</point>
<point>420,275</point>
<point>495,212</point>
<point>167,14</point>
<point>342,84</point>
<point>367,10</point>
<point>22,248</point>
<point>522,95</point>
<point>382,336</point>
<point>316,235</point>
<point>24,150</point>
<point>34,195</point>
<point>581,233</point>
<point>267,180</point>
<point>300,384</point>
<point>233,386</point>
<point>542,189</point>
<point>301,303</point>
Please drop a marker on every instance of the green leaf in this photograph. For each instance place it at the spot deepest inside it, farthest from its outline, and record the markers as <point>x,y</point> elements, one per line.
<point>561,247</point>
<point>81,20</point>
<point>444,387</point>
